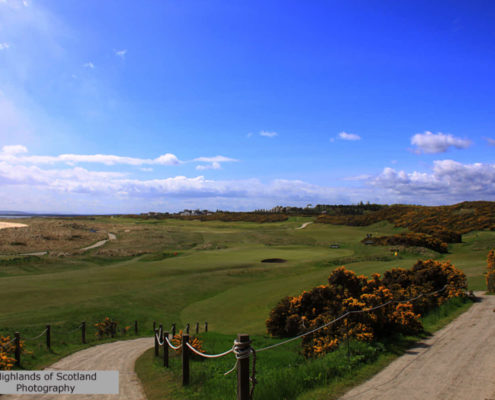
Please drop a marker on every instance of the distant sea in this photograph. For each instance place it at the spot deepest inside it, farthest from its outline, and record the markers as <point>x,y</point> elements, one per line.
<point>14,216</point>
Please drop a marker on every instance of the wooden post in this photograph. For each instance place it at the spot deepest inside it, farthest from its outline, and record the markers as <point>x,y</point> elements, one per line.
<point>113,329</point>
<point>135,327</point>
<point>83,332</point>
<point>243,370</point>
<point>154,326</point>
<point>206,326</point>
<point>156,343</point>
<point>165,350</point>
<point>160,331</point>
<point>17,349</point>
<point>347,329</point>
<point>48,337</point>
<point>187,328</point>
<point>197,328</point>
<point>185,360</point>
<point>173,330</point>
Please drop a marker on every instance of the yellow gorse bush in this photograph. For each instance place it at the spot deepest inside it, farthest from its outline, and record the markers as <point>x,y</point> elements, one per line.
<point>490,273</point>
<point>7,350</point>
<point>193,341</point>
<point>105,328</point>
<point>347,291</point>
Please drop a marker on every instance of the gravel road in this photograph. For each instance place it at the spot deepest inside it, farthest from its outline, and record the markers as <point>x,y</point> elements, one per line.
<point>455,363</point>
<point>119,356</point>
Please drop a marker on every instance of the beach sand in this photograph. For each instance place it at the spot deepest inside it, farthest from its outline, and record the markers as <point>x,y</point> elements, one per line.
<point>5,225</point>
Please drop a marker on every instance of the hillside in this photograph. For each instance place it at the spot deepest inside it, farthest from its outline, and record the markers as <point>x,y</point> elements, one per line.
<point>446,223</point>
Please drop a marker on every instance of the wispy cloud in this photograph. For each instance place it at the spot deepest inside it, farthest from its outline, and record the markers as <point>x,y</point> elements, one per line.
<point>490,141</point>
<point>213,165</point>
<point>431,143</point>
<point>214,162</point>
<point>349,136</point>
<point>363,177</point>
<point>14,149</point>
<point>121,53</point>
<point>268,134</point>
<point>4,46</point>
<point>11,154</point>
<point>89,65</point>
<point>16,154</point>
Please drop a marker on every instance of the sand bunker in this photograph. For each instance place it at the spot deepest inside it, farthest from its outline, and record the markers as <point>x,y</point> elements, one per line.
<point>5,225</point>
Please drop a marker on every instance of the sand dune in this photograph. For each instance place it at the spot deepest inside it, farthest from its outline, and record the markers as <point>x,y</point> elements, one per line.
<point>5,225</point>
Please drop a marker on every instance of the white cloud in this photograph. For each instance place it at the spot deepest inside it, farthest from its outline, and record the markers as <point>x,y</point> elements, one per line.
<point>449,181</point>
<point>213,165</point>
<point>10,153</point>
<point>89,65</point>
<point>349,136</point>
<point>215,159</point>
<point>431,143</point>
<point>4,46</point>
<point>214,162</point>
<point>15,149</point>
<point>268,134</point>
<point>121,53</point>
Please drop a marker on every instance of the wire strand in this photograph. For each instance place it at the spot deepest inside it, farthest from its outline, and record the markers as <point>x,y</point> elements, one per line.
<point>36,337</point>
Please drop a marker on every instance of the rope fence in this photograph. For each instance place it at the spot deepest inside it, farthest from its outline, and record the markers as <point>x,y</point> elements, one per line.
<point>242,349</point>
<point>15,346</point>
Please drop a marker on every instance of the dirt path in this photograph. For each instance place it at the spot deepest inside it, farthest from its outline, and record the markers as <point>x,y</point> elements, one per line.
<point>304,225</point>
<point>456,363</point>
<point>111,356</point>
<point>111,236</point>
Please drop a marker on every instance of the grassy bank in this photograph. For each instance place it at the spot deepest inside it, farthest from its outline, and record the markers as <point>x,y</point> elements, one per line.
<point>282,373</point>
<point>174,271</point>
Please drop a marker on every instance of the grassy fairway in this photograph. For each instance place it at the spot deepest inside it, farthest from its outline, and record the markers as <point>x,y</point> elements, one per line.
<point>188,271</point>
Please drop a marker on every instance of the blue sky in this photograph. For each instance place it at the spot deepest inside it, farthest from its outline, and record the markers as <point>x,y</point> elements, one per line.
<point>122,106</point>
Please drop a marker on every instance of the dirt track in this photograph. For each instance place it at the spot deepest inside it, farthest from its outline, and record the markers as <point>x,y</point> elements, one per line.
<point>456,363</point>
<point>304,225</point>
<point>112,356</point>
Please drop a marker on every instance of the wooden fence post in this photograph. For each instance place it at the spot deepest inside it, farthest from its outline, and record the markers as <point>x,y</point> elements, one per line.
<point>165,349</point>
<point>206,326</point>
<point>243,370</point>
<point>156,343</point>
<point>347,329</point>
<point>135,327</point>
<point>185,360</point>
<point>17,349</point>
<point>187,328</point>
<point>154,326</point>
<point>197,328</point>
<point>83,332</point>
<point>48,336</point>
<point>173,330</point>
